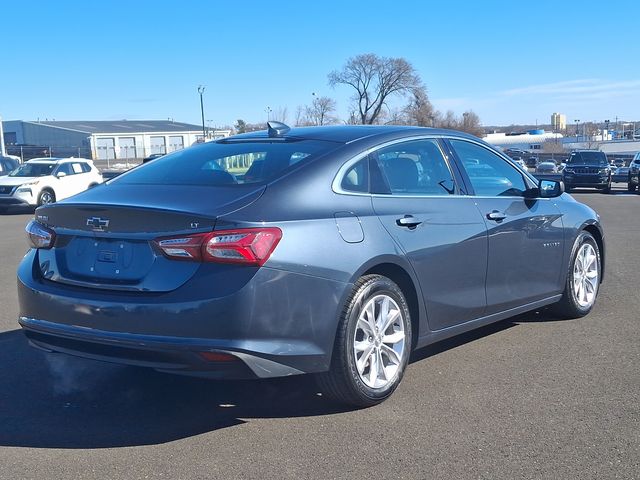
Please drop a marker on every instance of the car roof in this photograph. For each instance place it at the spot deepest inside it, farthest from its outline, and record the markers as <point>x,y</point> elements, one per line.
<point>347,133</point>
<point>54,160</point>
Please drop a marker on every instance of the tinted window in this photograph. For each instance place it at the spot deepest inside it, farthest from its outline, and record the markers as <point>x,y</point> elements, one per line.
<point>227,163</point>
<point>357,177</point>
<point>416,167</point>
<point>85,167</point>
<point>588,158</point>
<point>65,168</point>
<point>33,170</point>
<point>489,174</point>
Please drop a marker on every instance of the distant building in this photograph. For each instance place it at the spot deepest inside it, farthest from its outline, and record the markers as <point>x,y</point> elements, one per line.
<point>529,141</point>
<point>558,122</point>
<point>105,140</point>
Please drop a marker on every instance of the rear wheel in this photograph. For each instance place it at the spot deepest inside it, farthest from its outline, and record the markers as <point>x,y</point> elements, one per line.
<point>583,279</point>
<point>631,187</point>
<point>46,196</point>
<point>607,189</point>
<point>372,345</point>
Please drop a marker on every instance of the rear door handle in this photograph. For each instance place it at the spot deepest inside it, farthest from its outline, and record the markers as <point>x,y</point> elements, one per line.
<point>408,221</point>
<point>496,216</point>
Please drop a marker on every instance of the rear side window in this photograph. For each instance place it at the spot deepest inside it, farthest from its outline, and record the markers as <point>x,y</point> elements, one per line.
<point>356,179</point>
<point>228,163</point>
<point>416,167</point>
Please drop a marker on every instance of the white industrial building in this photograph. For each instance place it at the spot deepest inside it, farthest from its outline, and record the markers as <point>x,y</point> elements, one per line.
<point>107,140</point>
<point>530,141</point>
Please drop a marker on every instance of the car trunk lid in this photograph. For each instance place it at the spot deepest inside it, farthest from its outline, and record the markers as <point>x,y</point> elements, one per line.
<point>105,235</point>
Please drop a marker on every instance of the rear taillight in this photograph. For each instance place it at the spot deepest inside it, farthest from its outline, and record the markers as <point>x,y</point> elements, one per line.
<point>248,246</point>
<point>39,235</point>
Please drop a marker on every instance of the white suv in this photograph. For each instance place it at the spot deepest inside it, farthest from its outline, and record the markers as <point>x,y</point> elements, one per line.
<point>45,180</point>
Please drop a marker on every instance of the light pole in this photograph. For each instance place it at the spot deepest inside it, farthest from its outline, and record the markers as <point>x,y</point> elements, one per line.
<point>577,125</point>
<point>606,127</point>
<point>268,110</point>
<point>204,132</point>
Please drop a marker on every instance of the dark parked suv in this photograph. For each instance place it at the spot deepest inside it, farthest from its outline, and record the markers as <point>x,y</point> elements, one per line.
<point>587,168</point>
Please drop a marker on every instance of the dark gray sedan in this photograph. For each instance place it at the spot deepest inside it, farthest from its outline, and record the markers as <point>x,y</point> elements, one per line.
<point>330,250</point>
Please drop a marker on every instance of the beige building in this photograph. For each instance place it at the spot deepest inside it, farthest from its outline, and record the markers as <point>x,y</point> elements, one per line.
<point>558,121</point>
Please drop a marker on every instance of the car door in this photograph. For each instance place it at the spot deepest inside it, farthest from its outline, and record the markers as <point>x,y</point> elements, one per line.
<point>63,184</point>
<point>439,230</point>
<point>525,235</point>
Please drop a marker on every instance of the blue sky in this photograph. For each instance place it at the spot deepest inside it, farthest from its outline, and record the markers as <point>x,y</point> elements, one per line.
<point>510,62</point>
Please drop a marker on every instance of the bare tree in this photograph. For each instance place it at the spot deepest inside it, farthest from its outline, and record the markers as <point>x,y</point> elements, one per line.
<point>419,110</point>
<point>471,123</point>
<point>375,79</point>
<point>320,111</point>
<point>280,114</point>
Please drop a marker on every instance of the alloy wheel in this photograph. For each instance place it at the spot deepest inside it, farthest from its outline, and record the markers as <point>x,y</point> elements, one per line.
<point>379,341</point>
<point>586,275</point>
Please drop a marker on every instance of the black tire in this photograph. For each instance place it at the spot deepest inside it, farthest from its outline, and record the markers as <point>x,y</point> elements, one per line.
<point>607,189</point>
<point>568,306</point>
<point>631,187</point>
<point>343,382</point>
<point>46,196</point>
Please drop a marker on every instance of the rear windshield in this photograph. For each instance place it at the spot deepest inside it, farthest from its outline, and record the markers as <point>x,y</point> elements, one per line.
<point>588,158</point>
<point>33,170</point>
<point>227,163</point>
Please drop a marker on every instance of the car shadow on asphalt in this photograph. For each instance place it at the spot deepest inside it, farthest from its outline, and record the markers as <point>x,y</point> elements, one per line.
<point>57,401</point>
<point>542,315</point>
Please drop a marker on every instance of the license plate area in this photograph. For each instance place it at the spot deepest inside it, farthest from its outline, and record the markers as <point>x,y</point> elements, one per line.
<point>107,259</point>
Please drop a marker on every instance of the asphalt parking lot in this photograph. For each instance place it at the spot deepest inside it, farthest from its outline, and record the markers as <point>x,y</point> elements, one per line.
<point>529,397</point>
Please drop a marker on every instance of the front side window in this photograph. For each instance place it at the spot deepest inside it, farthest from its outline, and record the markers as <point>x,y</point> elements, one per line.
<point>490,175</point>
<point>227,163</point>
<point>416,167</point>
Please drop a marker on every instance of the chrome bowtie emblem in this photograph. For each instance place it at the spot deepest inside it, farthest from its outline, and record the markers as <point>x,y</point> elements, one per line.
<point>98,224</point>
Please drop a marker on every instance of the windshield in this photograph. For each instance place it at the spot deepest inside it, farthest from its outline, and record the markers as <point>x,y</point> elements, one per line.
<point>229,163</point>
<point>588,158</point>
<point>33,170</point>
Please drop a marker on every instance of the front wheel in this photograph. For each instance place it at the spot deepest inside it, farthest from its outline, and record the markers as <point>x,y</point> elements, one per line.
<point>583,278</point>
<point>372,344</point>
<point>46,196</point>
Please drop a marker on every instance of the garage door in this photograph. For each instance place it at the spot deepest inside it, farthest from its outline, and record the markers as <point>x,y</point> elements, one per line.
<point>158,145</point>
<point>128,147</point>
<point>105,149</point>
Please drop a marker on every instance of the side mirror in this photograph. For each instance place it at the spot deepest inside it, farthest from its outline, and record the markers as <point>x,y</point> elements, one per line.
<point>550,188</point>
<point>61,174</point>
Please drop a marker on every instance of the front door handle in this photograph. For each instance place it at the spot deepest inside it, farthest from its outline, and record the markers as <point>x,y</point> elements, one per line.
<point>408,221</point>
<point>496,216</point>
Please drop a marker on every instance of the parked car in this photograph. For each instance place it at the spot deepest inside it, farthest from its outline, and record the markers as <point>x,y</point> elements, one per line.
<point>519,161</point>
<point>587,168</point>
<point>332,250</point>
<point>531,162</point>
<point>547,167</point>
<point>634,174</point>
<point>7,165</point>
<point>46,180</point>
<point>620,175</point>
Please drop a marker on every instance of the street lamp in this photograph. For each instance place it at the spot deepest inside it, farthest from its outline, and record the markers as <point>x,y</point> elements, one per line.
<point>268,110</point>
<point>201,91</point>
<point>577,124</point>
<point>606,127</point>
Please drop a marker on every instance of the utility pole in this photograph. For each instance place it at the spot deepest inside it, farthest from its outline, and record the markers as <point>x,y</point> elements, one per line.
<point>2,150</point>
<point>204,132</point>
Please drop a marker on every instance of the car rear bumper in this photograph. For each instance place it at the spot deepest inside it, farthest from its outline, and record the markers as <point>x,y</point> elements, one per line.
<point>277,324</point>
